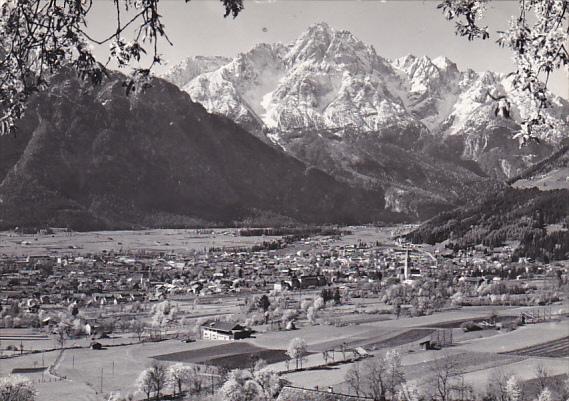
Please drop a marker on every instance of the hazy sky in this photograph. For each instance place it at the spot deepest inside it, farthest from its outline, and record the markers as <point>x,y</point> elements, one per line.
<point>394,27</point>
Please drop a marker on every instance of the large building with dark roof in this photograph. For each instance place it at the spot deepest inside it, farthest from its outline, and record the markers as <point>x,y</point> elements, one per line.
<point>224,331</point>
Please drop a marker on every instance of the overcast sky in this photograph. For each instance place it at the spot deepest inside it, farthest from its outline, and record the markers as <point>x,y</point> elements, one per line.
<point>394,27</point>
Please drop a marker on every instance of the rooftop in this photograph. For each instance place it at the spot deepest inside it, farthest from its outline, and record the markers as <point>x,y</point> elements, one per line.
<point>303,394</point>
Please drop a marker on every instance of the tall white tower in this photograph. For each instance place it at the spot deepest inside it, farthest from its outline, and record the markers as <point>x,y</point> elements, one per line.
<point>406,266</point>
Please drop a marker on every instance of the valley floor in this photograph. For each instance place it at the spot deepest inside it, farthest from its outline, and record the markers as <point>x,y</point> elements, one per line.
<point>80,374</point>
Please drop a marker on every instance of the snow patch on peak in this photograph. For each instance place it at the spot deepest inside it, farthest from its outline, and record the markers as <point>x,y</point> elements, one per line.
<point>182,73</point>
<point>444,63</point>
<point>321,27</point>
<point>328,79</point>
<point>403,63</point>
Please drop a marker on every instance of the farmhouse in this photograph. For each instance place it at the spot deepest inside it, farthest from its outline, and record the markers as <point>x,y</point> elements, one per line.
<point>224,331</point>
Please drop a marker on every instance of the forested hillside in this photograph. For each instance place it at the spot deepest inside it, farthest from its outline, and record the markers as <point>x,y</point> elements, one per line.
<point>511,214</point>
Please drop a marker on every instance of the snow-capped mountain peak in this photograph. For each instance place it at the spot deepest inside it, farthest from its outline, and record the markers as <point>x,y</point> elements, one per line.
<point>418,127</point>
<point>443,63</point>
<point>323,45</point>
<point>328,80</point>
<point>182,73</point>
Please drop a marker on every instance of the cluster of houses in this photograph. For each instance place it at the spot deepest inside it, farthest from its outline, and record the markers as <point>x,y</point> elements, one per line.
<point>109,279</point>
<point>482,265</point>
<point>112,279</point>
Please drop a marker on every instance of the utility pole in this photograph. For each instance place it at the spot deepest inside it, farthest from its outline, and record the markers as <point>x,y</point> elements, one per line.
<point>101,388</point>
<point>43,366</point>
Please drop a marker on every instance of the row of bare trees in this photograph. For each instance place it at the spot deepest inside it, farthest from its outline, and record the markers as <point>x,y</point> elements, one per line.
<point>379,378</point>
<point>382,378</point>
<point>179,377</point>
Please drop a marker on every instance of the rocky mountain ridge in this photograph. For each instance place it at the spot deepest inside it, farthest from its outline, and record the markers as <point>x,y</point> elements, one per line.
<point>419,128</point>
<point>94,158</point>
<point>329,79</point>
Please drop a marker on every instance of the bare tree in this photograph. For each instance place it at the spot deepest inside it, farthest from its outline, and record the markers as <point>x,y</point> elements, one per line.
<point>394,372</point>
<point>268,381</point>
<point>39,38</point>
<point>61,335</point>
<point>354,378</point>
<point>565,389</point>
<point>138,327</point>
<point>446,372</point>
<point>296,350</point>
<point>178,375</point>
<point>408,392</point>
<point>496,388</point>
<point>144,383</point>
<point>158,377</point>
<point>542,376</point>
<point>513,389</point>
<point>196,379</point>
<point>375,380</point>
<point>545,395</point>
<point>377,377</point>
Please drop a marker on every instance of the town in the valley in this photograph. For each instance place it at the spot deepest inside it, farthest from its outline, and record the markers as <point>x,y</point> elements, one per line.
<point>343,313</point>
<point>275,200</point>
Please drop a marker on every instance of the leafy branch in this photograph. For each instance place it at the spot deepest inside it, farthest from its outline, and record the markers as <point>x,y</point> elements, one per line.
<point>40,37</point>
<point>537,39</point>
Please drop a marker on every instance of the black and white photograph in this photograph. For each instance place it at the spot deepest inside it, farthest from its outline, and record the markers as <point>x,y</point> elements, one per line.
<point>284,200</point>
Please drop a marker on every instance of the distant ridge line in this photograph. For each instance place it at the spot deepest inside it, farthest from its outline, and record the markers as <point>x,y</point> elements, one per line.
<point>539,165</point>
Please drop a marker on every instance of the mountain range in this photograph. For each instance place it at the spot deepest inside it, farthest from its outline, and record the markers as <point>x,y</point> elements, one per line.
<point>95,158</point>
<point>322,130</point>
<point>532,213</point>
<point>419,128</point>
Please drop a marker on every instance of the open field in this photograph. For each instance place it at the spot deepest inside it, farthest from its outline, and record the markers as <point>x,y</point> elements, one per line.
<point>85,374</point>
<point>523,370</point>
<point>76,243</point>
<point>465,362</point>
<point>383,235</point>
<point>66,390</point>
<point>32,340</point>
<point>554,383</point>
<point>478,354</point>
<point>374,331</point>
<point>555,179</point>
<point>27,361</point>
<point>235,355</point>
<point>384,340</point>
<point>245,361</point>
<point>118,366</point>
<point>522,337</point>
<point>157,240</point>
<point>476,357</point>
<point>554,349</point>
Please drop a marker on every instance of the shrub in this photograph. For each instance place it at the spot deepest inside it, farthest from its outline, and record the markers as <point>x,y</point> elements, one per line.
<point>470,326</point>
